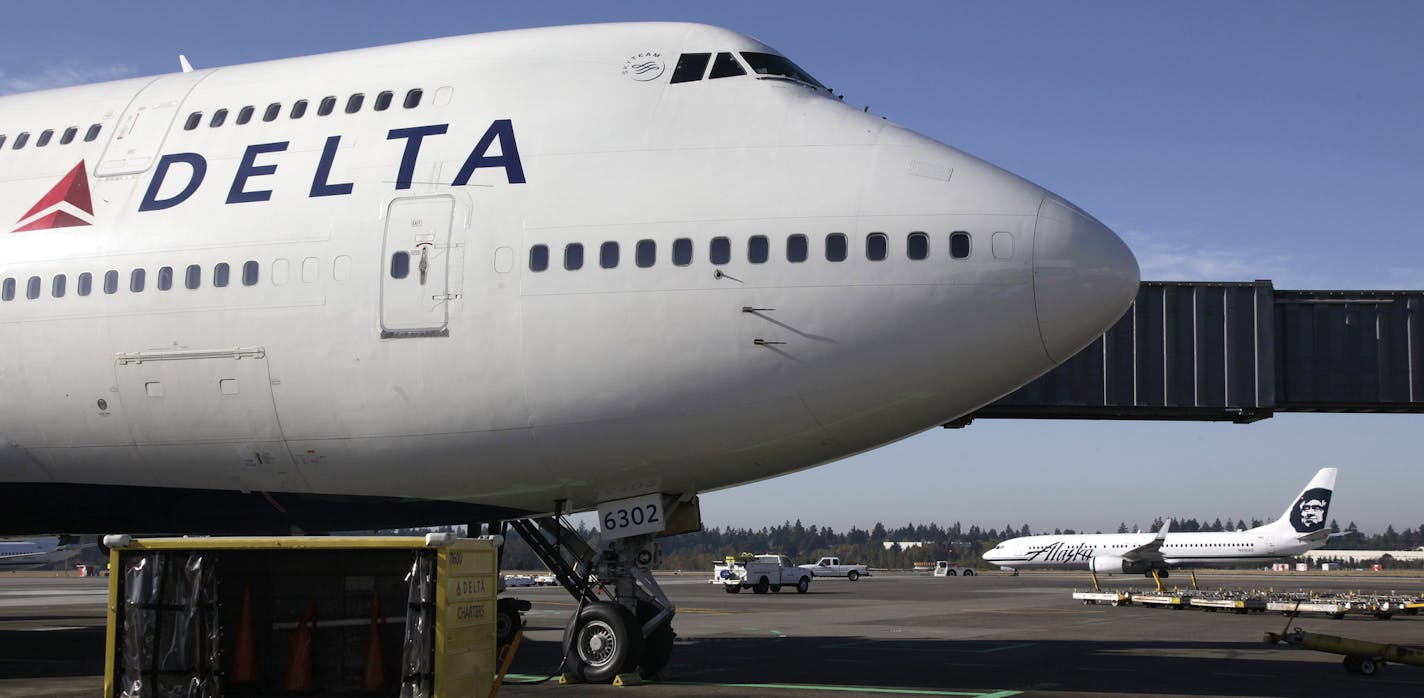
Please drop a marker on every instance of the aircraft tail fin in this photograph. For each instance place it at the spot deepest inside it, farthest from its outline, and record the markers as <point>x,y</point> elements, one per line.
<point>1308,514</point>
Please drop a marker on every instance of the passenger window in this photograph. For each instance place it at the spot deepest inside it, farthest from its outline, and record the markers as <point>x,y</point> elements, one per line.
<point>32,288</point>
<point>2,140</point>
<point>92,133</point>
<point>383,101</point>
<point>20,141</point>
<point>111,282</point>
<point>274,110</point>
<point>219,118</point>
<point>836,247</point>
<point>281,271</point>
<point>796,248</point>
<point>43,140</point>
<point>85,284</point>
<point>412,98</point>
<point>7,290</point>
<point>136,279</point>
<point>917,246</point>
<point>244,115</point>
<point>726,66</point>
<point>647,253</point>
<point>310,270</point>
<point>959,244</point>
<point>573,256</point>
<point>56,287</point>
<point>681,252</point>
<point>165,278</point>
<point>353,103</point>
<point>68,136</point>
<point>193,120</point>
<point>608,255</point>
<point>192,277</point>
<point>327,105</point>
<point>220,274</point>
<point>400,265</point>
<point>249,273</point>
<point>876,247</point>
<point>721,251</point>
<point>690,67</point>
<point>758,249</point>
<point>299,109</point>
<point>539,258</point>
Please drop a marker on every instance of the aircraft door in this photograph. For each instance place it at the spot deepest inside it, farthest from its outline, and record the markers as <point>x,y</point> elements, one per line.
<point>415,267</point>
<point>144,125</point>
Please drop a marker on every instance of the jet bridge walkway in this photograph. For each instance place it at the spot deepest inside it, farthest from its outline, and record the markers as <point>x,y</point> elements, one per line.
<point>1237,352</point>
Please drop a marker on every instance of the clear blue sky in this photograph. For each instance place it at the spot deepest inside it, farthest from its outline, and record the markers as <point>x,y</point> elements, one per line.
<point>1222,140</point>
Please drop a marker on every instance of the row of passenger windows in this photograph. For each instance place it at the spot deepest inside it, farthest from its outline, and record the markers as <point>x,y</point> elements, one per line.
<point>192,278</point>
<point>836,248</point>
<point>299,108</point>
<point>46,136</point>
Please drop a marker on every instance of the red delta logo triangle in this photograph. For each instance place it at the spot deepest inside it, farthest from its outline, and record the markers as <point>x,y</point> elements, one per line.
<point>73,189</point>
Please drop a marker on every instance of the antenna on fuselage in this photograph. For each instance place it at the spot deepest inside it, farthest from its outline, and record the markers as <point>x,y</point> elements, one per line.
<point>184,64</point>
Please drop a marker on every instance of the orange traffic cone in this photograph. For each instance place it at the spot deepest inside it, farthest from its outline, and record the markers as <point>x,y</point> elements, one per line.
<point>244,654</point>
<point>373,677</point>
<point>299,655</point>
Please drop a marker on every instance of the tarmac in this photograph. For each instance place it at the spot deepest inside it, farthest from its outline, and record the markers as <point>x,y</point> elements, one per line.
<point>988,636</point>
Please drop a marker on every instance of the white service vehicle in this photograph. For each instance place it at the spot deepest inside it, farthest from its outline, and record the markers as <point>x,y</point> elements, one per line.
<point>943,568</point>
<point>832,567</point>
<point>760,573</point>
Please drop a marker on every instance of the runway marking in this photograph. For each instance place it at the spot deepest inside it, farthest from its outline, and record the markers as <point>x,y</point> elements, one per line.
<point>816,687</point>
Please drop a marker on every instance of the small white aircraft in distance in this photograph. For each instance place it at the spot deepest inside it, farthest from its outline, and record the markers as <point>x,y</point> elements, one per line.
<point>1301,528</point>
<point>500,277</point>
<point>29,554</point>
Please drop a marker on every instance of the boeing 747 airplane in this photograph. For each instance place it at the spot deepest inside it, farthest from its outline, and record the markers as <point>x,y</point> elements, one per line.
<point>1299,529</point>
<point>496,278</point>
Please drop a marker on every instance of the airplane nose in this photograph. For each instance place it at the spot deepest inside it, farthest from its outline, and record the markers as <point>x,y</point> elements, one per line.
<point>1084,278</point>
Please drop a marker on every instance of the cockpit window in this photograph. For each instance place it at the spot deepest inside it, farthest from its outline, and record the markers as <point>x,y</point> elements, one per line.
<point>726,66</point>
<point>690,67</point>
<point>770,65</point>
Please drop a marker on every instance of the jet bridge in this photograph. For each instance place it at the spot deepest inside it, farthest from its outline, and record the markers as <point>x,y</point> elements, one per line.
<point>1239,352</point>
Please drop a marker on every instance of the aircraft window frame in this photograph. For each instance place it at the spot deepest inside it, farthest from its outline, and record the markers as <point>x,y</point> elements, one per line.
<point>93,132</point>
<point>722,67</point>
<point>273,111</point>
<point>354,102</point>
<point>21,140</point>
<point>400,264</point>
<point>192,277</point>
<point>218,119</point>
<point>682,252</point>
<point>244,115</point>
<point>32,288</point>
<point>955,251</point>
<point>251,273</point>
<point>383,100</point>
<point>327,106</point>
<point>798,248</point>
<point>412,98</point>
<point>57,286</point>
<point>917,245</point>
<point>573,256</point>
<point>877,247</point>
<point>837,247</point>
<point>69,135</point>
<point>690,67</point>
<point>136,280</point>
<point>165,278</point>
<point>111,282</point>
<point>222,272</point>
<point>719,250</point>
<point>774,66</point>
<point>84,284</point>
<point>538,258</point>
<point>645,253</point>
<point>608,255</point>
<point>44,138</point>
<point>758,249</point>
<point>2,140</point>
<point>7,289</point>
<point>194,120</point>
<point>299,109</point>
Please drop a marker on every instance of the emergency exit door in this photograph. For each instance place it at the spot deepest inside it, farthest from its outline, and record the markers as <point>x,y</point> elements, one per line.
<point>415,274</point>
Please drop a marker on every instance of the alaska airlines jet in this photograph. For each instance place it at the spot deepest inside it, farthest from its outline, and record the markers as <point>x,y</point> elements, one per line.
<point>1299,529</point>
<point>492,277</point>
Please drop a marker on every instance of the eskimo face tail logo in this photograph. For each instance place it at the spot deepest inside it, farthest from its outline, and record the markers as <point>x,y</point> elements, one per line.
<point>59,208</point>
<point>1308,513</point>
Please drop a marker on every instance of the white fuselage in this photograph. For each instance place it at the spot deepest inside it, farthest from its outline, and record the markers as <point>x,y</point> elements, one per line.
<point>474,377</point>
<point>1225,549</point>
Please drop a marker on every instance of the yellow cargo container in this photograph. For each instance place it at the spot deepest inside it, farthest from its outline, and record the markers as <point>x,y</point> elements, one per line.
<point>311,614</point>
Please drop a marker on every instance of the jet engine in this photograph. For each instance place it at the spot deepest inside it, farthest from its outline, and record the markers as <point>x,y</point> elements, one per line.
<point>1116,564</point>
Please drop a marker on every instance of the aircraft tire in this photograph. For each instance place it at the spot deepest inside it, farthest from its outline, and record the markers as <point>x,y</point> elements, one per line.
<point>507,619</point>
<point>605,642</point>
<point>853,575</point>
<point>657,647</point>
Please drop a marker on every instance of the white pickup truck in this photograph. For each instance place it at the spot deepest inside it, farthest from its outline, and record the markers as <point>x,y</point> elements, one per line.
<point>760,573</point>
<point>832,567</point>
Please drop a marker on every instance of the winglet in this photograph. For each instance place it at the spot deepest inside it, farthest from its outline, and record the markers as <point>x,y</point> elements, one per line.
<point>184,64</point>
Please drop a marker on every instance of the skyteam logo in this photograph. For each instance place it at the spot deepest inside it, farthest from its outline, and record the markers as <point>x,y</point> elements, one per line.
<point>645,66</point>
<point>66,205</point>
<point>1308,514</point>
